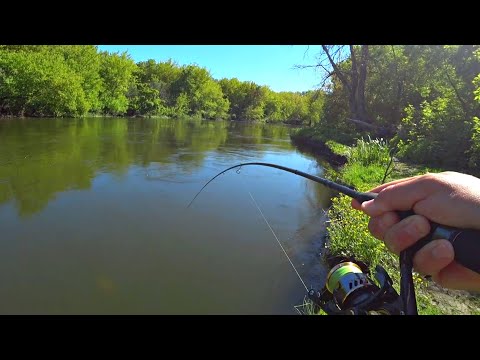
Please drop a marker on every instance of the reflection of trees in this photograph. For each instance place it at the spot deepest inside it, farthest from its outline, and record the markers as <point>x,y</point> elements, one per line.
<point>259,134</point>
<point>40,158</point>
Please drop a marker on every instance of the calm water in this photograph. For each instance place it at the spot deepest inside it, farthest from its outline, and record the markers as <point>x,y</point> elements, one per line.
<point>93,218</point>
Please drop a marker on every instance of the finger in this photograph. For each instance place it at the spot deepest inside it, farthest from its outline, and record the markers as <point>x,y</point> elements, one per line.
<point>380,224</point>
<point>383,186</point>
<point>455,276</point>
<point>433,257</point>
<point>356,205</point>
<point>400,196</point>
<point>406,232</point>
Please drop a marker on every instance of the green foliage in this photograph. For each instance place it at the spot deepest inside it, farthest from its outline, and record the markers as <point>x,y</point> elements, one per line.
<point>39,83</point>
<point>159,76</point>
<point>116,71</point>
<point>247,99</point>
<point>205,97</point>
<point>476,92</point>
<point>368,152</point>
<point>182,106</point>
<point>316,104</point>
<point>348,235</point>
<point>65,80</point>
<point>426,98</point>
<point>85,62</point>
<point>363,177</point>
<point>437,121</point>
<point>348,232</point>
<point>338,148</point>
<point>474,160</point>
<point>437,134</point>
<point>258,103</point>
<point>144,100</point>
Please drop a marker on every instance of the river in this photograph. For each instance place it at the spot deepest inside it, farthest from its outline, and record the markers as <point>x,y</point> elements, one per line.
<point>93,218</point>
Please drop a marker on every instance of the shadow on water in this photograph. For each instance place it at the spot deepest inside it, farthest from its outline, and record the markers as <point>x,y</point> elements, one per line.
<point>93,218</point>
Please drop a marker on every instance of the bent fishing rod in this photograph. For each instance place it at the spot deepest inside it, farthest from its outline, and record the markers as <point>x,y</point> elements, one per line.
<point>466,242</point>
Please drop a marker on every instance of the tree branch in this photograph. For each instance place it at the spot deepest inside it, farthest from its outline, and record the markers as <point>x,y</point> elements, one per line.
<point>363,123</point>
<point>462,102</point>
<point>327,72</point>
<point>336,68</point>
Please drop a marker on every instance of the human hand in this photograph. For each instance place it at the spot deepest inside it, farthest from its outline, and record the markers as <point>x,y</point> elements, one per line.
<point>447,198</point>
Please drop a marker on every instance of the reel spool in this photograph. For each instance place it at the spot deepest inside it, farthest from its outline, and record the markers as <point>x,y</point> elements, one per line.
<point>349,285</point>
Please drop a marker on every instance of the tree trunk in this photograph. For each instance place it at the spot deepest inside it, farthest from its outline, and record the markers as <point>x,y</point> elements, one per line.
<point>353,96</point>
<point>361,105</point>
<point>353,81</point>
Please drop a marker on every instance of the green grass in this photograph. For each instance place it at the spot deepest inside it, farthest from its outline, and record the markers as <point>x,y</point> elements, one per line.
<point>338,148</point>
<point>362,177</point>
<point>312,133</point>
<point>349,235</point>
<point>348,232</point>
<point>369,152</point>
<point>307,308</point>
<point>425,305</point>
<point>348,228</point>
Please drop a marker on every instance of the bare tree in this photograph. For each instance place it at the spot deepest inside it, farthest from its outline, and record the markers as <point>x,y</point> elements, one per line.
<point>331,61</point>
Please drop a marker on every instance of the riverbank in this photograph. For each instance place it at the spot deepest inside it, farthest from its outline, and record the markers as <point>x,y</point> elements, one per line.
<point>347,233</point>
<point>285,123</point>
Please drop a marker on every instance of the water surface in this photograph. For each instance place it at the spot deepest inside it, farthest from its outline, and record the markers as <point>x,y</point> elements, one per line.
<point>93,218</point>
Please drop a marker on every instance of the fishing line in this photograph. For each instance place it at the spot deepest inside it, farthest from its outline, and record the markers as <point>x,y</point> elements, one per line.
<point>465,241</point>
<point>273,232</point>
<point>359,196</point>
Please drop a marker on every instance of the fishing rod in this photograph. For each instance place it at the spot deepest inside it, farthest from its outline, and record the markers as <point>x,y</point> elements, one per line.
<point>350,279</point>
<point>359,196</point>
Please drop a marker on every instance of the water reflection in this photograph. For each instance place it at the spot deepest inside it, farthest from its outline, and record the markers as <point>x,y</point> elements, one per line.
<point>93,218</point>
<point>41,157</point>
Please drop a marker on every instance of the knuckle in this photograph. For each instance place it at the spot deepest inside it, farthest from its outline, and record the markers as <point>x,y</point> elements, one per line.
<point>430,178</point>
<point>418,226</point>
<point>406,232</point>
<point>386,191</point>
<point>420,264</point>
<point>374,228</point>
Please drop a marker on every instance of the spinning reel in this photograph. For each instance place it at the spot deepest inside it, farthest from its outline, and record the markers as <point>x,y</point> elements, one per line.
<point>349,290</point>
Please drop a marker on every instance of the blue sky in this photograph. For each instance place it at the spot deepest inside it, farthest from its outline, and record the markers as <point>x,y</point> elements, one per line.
<point>270,65</point>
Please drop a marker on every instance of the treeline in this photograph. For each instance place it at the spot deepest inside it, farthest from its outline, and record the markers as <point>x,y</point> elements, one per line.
<point>72,81</point>
<point>426,99</point>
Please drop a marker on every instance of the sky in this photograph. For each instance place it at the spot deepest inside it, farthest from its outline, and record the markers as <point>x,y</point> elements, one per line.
<point>271,65</point>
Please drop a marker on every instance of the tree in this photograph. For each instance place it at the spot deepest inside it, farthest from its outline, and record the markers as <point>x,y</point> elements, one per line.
<point>160,76</point>
<point>205,97</point>
<point>144,100</point>
<point>116,71</point>
<point>85,61</point>
<point>38,82</point>
<point>349,66</point>
<point>474,159</point>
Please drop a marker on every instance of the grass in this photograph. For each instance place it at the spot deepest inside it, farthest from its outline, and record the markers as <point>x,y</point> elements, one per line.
<point>369,152</point>
<point>338,148</point>
<point>307,308</point>
<point>312,133</point>
<point>348,228</point>
<point>363,177</point>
